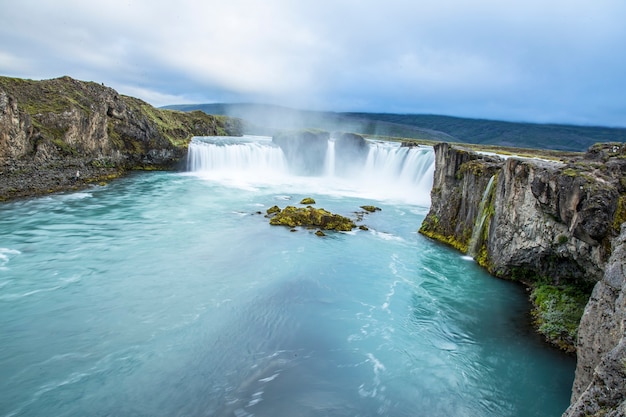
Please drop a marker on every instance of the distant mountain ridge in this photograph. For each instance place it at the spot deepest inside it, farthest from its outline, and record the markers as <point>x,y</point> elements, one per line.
<point>265,118</point>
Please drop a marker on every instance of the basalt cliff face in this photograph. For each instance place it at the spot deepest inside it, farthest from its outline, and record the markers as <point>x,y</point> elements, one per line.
<point>540,218</point>
<point>600,385</point>
<point>554,225</point>
<point>62,133</point>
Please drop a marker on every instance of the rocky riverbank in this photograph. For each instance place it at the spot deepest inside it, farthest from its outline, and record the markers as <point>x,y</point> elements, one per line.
<point>64,134</point>
<point>19,179</point>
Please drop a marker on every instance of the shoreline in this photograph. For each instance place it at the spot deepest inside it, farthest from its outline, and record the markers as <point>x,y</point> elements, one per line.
<point>22,180</point>
<point>25,180</point>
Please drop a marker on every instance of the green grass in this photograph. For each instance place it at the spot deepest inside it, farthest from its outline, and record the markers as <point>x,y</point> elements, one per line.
<point>557,312</point>
<point>620,213</point>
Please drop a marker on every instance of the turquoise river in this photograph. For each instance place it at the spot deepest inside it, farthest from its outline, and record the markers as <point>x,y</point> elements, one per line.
<point>169,294</point>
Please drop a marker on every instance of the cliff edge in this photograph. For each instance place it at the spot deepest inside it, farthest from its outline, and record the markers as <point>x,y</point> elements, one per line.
<point>553,225</point>
<point>540,219</point>
<point>63,134</point>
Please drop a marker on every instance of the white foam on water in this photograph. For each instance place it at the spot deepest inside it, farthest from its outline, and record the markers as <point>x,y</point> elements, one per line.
<point>5,256</point>
<point>386,236</point>
<point>269,378</point>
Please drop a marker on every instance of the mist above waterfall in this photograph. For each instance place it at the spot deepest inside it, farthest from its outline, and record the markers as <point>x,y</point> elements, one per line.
<point>377,170</point>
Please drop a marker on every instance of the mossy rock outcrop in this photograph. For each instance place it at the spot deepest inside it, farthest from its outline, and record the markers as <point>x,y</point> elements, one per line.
<point>311,217</point>
<point>273,210</point>
<point>307,200</point>
<point>370,209</point>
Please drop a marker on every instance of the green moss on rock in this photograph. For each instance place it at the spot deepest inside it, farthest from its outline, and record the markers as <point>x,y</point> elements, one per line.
<point>307,200</point>
<point>370,209</point>
<point>448,240</point>
<point>620,213</point>
<point>311,217</point>
<point>557,312</point>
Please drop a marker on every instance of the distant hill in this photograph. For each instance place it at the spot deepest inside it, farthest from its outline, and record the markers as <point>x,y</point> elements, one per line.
<point>265,119</point>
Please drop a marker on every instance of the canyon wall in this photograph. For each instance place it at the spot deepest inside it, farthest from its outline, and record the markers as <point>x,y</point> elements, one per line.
<point>62,133</point>
<point>544,219</point>
<point>551,224</point>
<point>600,385</point>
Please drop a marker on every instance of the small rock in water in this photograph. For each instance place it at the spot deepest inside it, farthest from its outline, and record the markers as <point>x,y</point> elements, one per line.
<point>307,200</point>
<point>320,233</point>
<point>371,209</point>
<point>273,209</point>
<point>310,217</point>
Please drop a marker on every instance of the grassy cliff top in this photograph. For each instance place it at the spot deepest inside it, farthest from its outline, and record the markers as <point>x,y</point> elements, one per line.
<point>47,101</point>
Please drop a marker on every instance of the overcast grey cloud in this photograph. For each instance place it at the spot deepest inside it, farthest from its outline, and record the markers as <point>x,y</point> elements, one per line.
<point>532,60</point>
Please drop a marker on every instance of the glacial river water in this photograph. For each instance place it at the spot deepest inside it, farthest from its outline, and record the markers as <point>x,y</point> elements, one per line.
<point>167,294</point>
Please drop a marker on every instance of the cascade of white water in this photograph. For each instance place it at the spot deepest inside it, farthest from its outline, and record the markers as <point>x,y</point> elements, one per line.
<point>329,161</point>
<point>235,155</point>
<point>479,223</point>
<point>401,166</point>
<point>389,171</point>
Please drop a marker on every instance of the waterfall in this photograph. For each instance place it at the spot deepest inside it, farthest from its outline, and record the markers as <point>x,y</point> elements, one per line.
<point>385,171</point>
<point>235,155</point>
<point>479,223</point>
<point>329,161</point>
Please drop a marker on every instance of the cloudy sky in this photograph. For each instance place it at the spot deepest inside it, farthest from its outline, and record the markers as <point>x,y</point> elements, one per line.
<point>527,60</point>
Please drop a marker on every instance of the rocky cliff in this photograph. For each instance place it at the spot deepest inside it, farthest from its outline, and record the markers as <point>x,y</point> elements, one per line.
<point>550,219</point>
<point>600,385</point>
<point>550,224</point>
<point>63,133</point>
